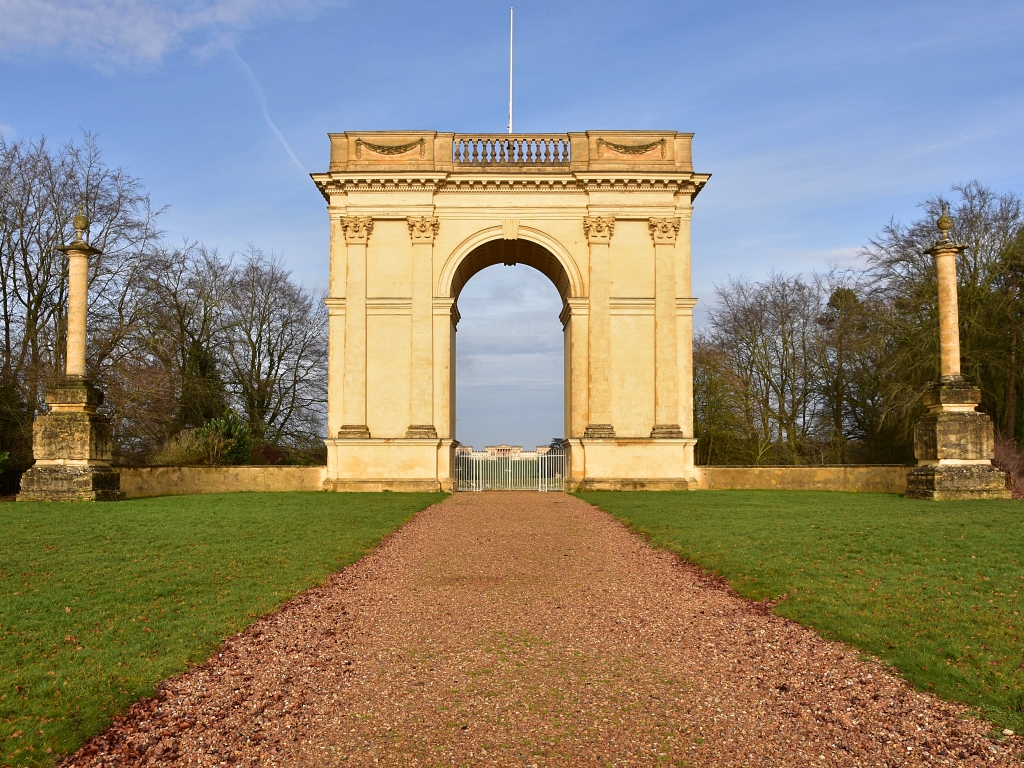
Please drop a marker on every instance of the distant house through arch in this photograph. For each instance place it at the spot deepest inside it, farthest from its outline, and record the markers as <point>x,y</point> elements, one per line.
<point>604,215</point>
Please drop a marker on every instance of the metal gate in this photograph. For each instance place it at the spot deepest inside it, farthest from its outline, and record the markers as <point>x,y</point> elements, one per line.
<point>520,471</point>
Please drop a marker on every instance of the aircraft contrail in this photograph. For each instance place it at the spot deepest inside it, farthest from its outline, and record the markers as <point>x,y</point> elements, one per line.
<point>261,97</point>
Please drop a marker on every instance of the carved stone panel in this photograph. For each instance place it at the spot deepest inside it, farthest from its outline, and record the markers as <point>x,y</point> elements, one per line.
<point>598,229</point>
<point>664,231</point>
<point>423,228</point>
<point>357,229</point>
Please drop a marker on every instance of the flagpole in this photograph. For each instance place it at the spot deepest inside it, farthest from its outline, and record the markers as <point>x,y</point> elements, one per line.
<point>511,19</point>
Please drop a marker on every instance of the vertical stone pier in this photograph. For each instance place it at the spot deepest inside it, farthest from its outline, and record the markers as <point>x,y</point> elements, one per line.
<point>953,442</point>
<point>71,443</point>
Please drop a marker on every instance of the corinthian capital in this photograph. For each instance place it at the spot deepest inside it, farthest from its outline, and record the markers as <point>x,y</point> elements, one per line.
<point>598,229</point>
<point>423,228</point>
<point>664,231</point>
<point>357,229</point>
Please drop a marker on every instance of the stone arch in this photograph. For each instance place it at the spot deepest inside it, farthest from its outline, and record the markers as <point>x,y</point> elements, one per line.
<point>533,248</point>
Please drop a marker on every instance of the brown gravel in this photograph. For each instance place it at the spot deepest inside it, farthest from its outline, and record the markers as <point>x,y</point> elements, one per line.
<point>532,629</point>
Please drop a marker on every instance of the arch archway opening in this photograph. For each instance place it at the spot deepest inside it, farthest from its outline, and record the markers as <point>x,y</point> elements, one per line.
<point>511,253</point>
<point>512,380</point>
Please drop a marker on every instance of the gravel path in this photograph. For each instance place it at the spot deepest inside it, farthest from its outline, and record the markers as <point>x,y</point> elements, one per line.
<point>521,629</point>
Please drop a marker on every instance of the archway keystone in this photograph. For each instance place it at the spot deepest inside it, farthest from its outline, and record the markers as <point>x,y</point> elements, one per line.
<point>604,214</point>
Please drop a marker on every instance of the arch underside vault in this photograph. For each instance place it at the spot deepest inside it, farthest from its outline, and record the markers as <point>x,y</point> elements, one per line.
<point>511,252</point>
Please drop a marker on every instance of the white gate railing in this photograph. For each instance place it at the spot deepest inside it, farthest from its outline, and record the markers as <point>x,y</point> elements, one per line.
<point>524,471</point>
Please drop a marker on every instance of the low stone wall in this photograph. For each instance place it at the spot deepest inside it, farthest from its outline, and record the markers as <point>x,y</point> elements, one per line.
<point>142,482</point>
<point>876,478</point>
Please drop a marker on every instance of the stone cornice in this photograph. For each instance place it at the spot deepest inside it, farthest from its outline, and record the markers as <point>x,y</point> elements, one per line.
<point>344,183</point>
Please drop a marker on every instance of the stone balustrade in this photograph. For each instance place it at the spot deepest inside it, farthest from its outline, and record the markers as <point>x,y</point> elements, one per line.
<point>510,151</point>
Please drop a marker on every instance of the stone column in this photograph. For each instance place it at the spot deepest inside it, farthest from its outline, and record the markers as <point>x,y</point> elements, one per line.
<point>598,231</point>
<point>78,306</point>
<point>666,390</point>
<point>71,443</point>
<point>945,253</point>
<point>357,236</point>
<point>422,230</point>
<point>953,442</point>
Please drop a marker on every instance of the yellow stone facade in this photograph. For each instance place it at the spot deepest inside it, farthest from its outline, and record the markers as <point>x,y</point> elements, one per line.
<point>605,215</point>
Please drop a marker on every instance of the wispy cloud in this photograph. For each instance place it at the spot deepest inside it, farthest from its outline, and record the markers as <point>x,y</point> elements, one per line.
<point>261,99</point>
<point>6,130</point>
<point>111,34</point>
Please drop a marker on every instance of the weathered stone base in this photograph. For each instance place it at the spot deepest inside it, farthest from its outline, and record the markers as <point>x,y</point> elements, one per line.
<point>637,484</point>
<point>390,464</point>
<point>422,485</point>
<point>944,482</point>
<point>56,482</point>
<point>632,463</point>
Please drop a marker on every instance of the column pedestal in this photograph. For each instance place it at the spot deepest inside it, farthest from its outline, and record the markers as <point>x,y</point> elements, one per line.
<point>954,445</point>
<point>71,445</point>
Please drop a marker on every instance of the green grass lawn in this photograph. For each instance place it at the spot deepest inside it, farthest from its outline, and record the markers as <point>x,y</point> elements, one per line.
<point>932,588</point>
<point>100,602</point>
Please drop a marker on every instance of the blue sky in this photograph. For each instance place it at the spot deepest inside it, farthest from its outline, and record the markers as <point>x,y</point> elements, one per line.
<point>818,121</point>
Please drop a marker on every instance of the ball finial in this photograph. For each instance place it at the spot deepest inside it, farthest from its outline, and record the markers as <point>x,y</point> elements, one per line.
<point>945,223</point>
<point>80,223</point>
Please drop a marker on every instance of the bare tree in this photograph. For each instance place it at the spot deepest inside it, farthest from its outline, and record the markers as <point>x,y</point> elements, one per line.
<point>903,276</point>
<point>276,352</point>
<point>41,189</point>
<point>769,332</point>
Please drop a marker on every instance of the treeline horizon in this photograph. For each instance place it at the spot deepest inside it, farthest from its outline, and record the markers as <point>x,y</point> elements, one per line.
<point>831,369</point>
<point>211,359</point>
<point>203,358</point>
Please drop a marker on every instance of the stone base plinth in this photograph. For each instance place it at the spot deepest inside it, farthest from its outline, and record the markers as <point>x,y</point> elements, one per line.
<point>954,445</point>
<point>390,464</point>
<point>71,446</point>
<point>632,464</point>
<point>70,482</point>
<point>945,482</point>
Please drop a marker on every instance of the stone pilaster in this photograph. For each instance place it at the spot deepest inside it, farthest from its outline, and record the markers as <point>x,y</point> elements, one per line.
<point>598,231</point>
<point>578,373</point>
<point>953,442</point>
<point>666,390</point>
<point>422,230</point>
<point>446,318</point>
<point>357,236</point>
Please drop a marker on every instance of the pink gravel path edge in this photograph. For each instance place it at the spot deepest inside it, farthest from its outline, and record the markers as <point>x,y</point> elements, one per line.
<point>526,629</point>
